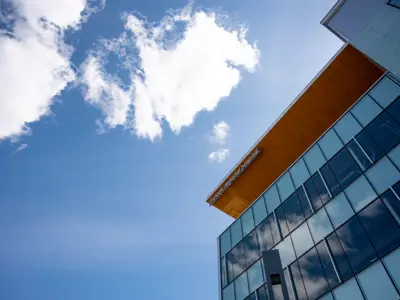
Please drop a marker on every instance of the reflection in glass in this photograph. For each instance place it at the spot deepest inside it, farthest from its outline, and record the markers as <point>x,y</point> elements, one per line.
<point>394,155</point>
<point>327,297</point>
<point>274,229</point>
<point>286,252</point>
<point>259,210</point>
<point>285,186</point>
<point>294,212</point>
<point>281,217</point>
<point>314,158</point>
<point>348,290</point>
<point>289,285</point>
<point>392,263</point>
<point>313,275</point>
<point>392,202</point>
<point>277,291</point>
<point>382,175</point>
<point>236,261</point>
<point>236,232</point>
<point>263,293</point>
<point>298,282</point>
<point>241,287</point>
<point>327,264</point>
<point>366,110</point>
<point>330,180</point>
<point>339,210</point>
<point>385,92</point>
<point>312,193</point>
<point>299,172</point>
<point>339,257</point>
<point>320,226</point>
<point>381,227</point>
<point>330,143</point>
<point>376,284</point>
<point>255,275</point>
<point>252,297</point>
<point>264,235</point>
<point>360,193</point>
<point>305,204</point>
<point>272,198</point>
<point>358,155</point>
<point>370,147</point>
<point>394,109</point>
<point>224,276</point>
<point>229,292</point>
<point>251,248</point>
<point>347,127</point>
<point>225,242</point>
<point>356,245</point>
<point>247,221</point>
<point>302,240</point>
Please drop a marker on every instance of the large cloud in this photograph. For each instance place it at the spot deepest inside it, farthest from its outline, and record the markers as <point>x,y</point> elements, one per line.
<point>185,64</point>
<point>34,59</point>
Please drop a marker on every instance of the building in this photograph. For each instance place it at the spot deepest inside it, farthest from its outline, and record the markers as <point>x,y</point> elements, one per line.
<point>322,185</point>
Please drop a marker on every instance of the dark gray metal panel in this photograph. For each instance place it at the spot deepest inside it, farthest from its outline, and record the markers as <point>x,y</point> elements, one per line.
<point>273,266</point>
<point>219,269</point>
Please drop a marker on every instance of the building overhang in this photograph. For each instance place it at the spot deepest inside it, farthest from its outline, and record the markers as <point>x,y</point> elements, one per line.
<point>333,91</point>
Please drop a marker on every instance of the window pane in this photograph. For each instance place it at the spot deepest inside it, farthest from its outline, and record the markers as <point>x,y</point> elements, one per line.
<point>241,287</point>
<point>369,146</point>
<point>298,281</point>
<point>236,232</point>
<point>236,261</point>
<point>366,110</point>
<point>320,226</point>
<point>285,186</point>
<point>251,249</point>
<point>272,198</point>
<point>392,263</point>
<point>294,212</point>
<point>395,156</point>
<point>360,193</point>
<point>330,180</point>
<point>376,283</point>
<point>339,257</point>
<point>330,143</point>
<point>224,278</point>
<point>392,202</point>
<point>339,210</point>
<point>327,263</point>
<point>382,175</point>
<point>252,297</point>
<point>358,155</point>
<point>385,92</point>
<point>305,204</point>
<point>345,168</point>
<point>274,229</point>
<point>347,127</point>
<point>328,297</point>
<point>313,275</point>
<point>281,217</point>
<point>255,275</point>
<point>286,252</point>
<point>264,235</point>
<point>289,285</point>
<point>259,210</point>
<point>349,290</point>
<point>356,245</point>
<point>247,221</point>
<point>394,110</point>
<point>313,194</point>
<point>299,173</point>
<point>322,191</point>
<point>229,292</point>
<point>263,293</point>
<point>314,159</point>
<point>302,240</point>
<point>225,242</point>
<point>381,227</point>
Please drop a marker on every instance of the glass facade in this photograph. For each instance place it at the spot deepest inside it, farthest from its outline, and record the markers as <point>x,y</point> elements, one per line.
<point>334,215</point>
<point>395,3</point>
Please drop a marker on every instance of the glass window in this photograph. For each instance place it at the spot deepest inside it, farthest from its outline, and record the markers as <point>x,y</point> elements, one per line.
<point>356,245</point>
<point>241,287</point>
<point>358,155</point>
<point>321,188</point>
<point>320,226</point>
<point>247,221</point>
<point>252,297</point>
<point>272,198</point>
<point>264,235</point>
<point>360,193</point>
<point>259,210</point>
<point>344,167</point>
<point>339,257</point>
<point>330,143</point>
<point>251,248</point>
<point>347,127</point>
<point>263,293</point>
<point>369,146</point>
<point>299,173</point>
<point>294,212</point>
<point>285,186</point>
<point>327,264</point>
<point>339,210</point>
<point>382,175</point>
<point>392,202</point>
<point>274,229</point>
<point>347,291</point>
<point>314,158</point>
<point>305,204</point>
<point>376,284</point>
<point>330,180</point>
<point>229,292</point>
<point>394,109</point>
<point>236,261</point>
<point>225,242</point>
<point>395,156</point>
<point>302,240</point>
<point>286,252</point>
<point>281,217</point>
<point>316,191</point>
<point>298,281</point>
<point>313,274</point>
<point>392,263</point>
<point>224,276</point>
<point>366,110</point>
<point>376,219</point>
<point>255,275</point>
<point>236,232</point>
<point>289,284</point>
<point>327,297</point>
<point>385,92</point>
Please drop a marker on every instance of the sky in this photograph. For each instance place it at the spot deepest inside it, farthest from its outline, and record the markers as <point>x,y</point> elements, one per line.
<point>118,118</point>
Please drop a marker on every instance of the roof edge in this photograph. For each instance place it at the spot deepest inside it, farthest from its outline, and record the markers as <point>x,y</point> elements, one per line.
<point>332,12</point>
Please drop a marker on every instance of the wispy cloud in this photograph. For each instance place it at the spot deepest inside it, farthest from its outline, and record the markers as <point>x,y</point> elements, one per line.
<point>186,63</point>
<point>20,148</point>
<point>220,132</point>
<point>219,156</point>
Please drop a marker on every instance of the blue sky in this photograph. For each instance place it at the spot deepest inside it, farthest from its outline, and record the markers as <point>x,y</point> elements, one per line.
<point>111,139</point>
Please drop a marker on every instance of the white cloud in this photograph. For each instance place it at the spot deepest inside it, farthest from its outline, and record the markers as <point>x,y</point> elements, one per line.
<point>219,156</point>
<point>20,148</point>
<point>183,65</point>
<point>220,132</point>
<point>34,60</point>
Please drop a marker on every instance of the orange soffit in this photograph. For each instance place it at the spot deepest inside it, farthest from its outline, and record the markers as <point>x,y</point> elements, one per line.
<point>332,92</point>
